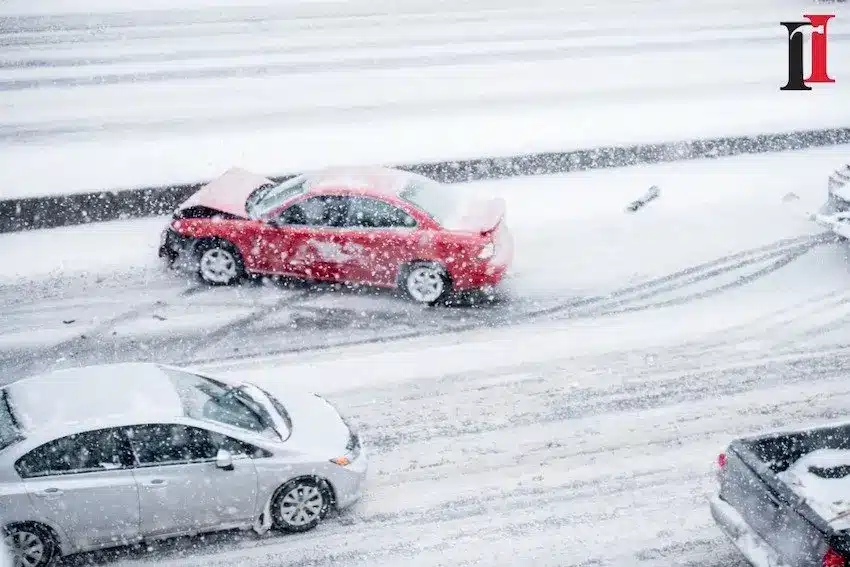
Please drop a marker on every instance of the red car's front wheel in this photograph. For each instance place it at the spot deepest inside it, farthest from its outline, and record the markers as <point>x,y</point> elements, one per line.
<point>219,262</point>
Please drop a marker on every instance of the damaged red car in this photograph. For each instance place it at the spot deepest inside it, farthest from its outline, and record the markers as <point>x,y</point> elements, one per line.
<point>369,226</point>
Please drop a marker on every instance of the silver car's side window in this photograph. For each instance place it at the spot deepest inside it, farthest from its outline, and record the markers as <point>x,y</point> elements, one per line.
<point>91,451</point>
<point>164,444</point>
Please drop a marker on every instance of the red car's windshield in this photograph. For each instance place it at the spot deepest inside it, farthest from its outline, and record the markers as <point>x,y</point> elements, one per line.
<point>266,199</point>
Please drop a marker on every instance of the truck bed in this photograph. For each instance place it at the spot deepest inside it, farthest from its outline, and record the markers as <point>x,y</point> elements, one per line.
<point>784,497</point>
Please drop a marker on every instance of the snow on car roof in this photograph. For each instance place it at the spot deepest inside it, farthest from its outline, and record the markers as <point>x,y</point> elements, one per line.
<point>383,180</point>
<point>63,398</point>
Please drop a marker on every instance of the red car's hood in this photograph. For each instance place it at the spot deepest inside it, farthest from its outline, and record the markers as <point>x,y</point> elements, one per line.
<point>228,193</point>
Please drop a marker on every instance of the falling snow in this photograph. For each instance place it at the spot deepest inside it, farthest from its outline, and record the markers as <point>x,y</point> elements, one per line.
<point>572,416</point>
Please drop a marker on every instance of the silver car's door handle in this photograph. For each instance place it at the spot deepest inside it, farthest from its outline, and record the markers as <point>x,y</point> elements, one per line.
<point>158,483</point>
<point>49,493</point>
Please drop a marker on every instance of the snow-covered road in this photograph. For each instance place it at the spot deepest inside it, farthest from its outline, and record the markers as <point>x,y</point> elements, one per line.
<point>577,461</point>
<point>584,437</point>
<point>135,97</point>
<point>573,423</point>
<point>98,292</point>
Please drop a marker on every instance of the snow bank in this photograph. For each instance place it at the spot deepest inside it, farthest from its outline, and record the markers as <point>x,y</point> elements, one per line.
<point>155,159</point>
<point>828,497</point>
<point>180,98</point>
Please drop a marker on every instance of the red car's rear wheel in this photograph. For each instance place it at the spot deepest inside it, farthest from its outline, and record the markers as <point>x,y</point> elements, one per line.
<point>426,282</point>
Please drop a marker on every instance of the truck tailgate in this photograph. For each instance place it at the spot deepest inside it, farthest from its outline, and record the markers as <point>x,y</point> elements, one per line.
<point>770,509</point>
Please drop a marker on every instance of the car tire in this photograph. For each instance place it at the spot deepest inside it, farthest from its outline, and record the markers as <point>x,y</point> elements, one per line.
<point>300,505</point>
<point>32,541</point>
<point>425,282</point>
<point>219,262</point>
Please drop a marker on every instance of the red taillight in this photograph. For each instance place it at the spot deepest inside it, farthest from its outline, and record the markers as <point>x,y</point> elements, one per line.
<point>721,460</point>
<point>833,559</point>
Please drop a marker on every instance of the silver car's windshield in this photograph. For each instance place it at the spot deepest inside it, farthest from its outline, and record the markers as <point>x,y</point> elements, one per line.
<point>207,399</point>
<point>9,432</point>
<point>268,198</point>
<point>439,201</point>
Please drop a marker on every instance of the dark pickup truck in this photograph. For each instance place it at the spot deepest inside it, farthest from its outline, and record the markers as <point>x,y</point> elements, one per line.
<point>784,498</point>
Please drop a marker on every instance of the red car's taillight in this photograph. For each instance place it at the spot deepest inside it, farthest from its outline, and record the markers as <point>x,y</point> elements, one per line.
<point>721,460</point>
<point>833,559</point>
<point>487,251</point>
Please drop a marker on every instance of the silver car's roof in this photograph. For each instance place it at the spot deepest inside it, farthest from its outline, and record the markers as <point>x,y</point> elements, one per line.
<point>128,392</point>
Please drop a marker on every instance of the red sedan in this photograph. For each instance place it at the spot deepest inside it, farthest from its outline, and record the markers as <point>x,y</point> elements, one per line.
<point>376,226</point>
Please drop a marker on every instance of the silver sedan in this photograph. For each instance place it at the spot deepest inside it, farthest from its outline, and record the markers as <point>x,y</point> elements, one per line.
<point>111,455</point>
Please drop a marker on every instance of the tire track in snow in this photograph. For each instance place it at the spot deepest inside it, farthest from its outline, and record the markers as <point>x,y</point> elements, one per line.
<point>816,317</point>
<point>777,320</point>
<point>333,113</point>
<point>780,253</point>
<point>272,33</point>
<point>222,334</point>
<point>93,341</point>
<point>629,299</point>
<point>823,321</point>
<point>639,393</point>
<point>67,349</point>
<point>461,37</point>
<point>216,23</point>
<point>591,488</point>
<point>370,63</point>
<point>381,321</point>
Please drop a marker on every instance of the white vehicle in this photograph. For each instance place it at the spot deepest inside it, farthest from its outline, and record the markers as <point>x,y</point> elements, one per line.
<point>835,213</point>
<point>110,455</point>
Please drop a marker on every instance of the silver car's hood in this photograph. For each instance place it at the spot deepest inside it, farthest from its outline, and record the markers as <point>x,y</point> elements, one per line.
<point>316,424</point>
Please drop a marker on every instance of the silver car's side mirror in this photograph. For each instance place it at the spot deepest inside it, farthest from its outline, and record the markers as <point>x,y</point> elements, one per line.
<point>224,460</point>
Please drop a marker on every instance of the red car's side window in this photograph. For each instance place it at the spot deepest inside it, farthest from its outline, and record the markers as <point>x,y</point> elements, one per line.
<point>364,212</point>
<point>323,210</point>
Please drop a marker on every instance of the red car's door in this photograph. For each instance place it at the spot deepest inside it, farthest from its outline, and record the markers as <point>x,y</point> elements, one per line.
<point>272,249</point>
<point>294,242</point>
<point>379,238</point>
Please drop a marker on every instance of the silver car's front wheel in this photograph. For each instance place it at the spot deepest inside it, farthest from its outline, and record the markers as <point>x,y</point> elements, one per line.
<point>300,505</point>
<point>29,547</point>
